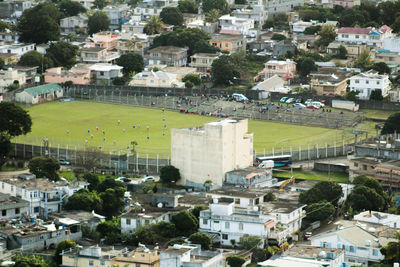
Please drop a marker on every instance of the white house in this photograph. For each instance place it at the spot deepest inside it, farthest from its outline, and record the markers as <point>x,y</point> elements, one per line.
<point>392,44</point>
<point>369,36</point>
<point>224,222</point>
<point>9,76</point>
<point>361,247</point>
<point>235,25</point>
<point>376,217</point>
<point>369,81</point>
<point>16,48</point>
<point>104,73</point>
<point>156,79</point>
<point>258,13</point>
<point>301,26</point>
<point>132,220</point>
<point>12,207</point>
<point>148,8</point>
<point>272,84</point>
<point>307,256</point>
<point>190,256</point>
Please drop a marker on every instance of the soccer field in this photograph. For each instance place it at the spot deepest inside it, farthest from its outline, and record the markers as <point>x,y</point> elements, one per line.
<point>150,128</point>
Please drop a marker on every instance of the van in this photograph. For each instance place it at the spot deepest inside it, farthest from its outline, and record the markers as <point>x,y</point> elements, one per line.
<point>239,97</point>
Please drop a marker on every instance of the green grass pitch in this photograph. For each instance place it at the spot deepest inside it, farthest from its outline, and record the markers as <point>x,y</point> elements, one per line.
<point>53,120</point>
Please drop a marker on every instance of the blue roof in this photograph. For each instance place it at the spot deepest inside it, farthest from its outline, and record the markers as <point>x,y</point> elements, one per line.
<point>374,33</point>
<point>383,50</point>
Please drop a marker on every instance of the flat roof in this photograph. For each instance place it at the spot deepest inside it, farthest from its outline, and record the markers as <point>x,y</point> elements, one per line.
<point>280,207</point>
<point>236,192</point>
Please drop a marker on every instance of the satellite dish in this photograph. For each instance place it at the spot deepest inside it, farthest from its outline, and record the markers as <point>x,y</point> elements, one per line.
<point>160,205</point>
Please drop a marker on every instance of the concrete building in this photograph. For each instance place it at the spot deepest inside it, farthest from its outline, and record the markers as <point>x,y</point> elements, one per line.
<point>16,48</point>
<point>203,61</point>
<point>90,219</point>
<point>109,257</point>
<point>330,81</point>
<point>103,73</point>
<point>39,94</point>
<point>380,218</point>
<point>227,42</point>
<point>9,76</point>
<point>13,9</point>
<point>88,4</point>
<point>207,153</point>
<point>156,79</point>
<point>75,75</point>
<point>284,69</point>
<point>44,196</point>
<point>97,55</point>
<point>9,36</point>
<point>190,256</point>
<point>274,7</point>
<point>117,14</point>
<point>168,55</point>
<point>243,198</point>
<point>30,72</point>
<point>392,44</point>
<point>346,3</point>
<point>234,25</point>
<point>12,207</point>
<point>149,8</point>
<point>360,246</point>
<point>9,59</point>
<point>369,81</point>
<point>208,27</point>
<point>392,59</point>
<point>387,172</point>
<point>272,84</point>
<point>307,256</point>
<point>107,40</point>
<point>72,24</point>
<point>382,149</point>
<point>258,14</point>
<point>369,36</point>
<point>250,177</point>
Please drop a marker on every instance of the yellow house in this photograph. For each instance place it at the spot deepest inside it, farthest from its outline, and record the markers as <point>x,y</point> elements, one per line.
<point>228,42</point>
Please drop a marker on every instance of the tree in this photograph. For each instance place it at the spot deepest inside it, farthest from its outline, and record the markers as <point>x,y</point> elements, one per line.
<point>201,238</point>
<point>134,3</point>
<point>212,15</point>
<point>100,4</point>
<point>29,261</point>
<point>2,63</point>
<point>363,61</point>
<point>14,121</point>
<point>202,46</point>
<point>220,5</point>
<point>371,183</point>
<point>119,81</point>
<point>312,30</point>
<point>164,229</point>
<point>169,174</point>
<point>185,223</point>
<point>342,52</point>
<point>62,54</point>
<point>187,6</point>
<point>110,230</point>
<point>305,65</point>
<point>223,71</point>
<point>44,168</point>
<point>376,95</point>
<point>35,59</point>
<point>93,180</point>
<point>352,95</point>
<point>396,25</point>
<point>84,200</point>
<point>327,35</point>
<point>249,242</point>
<point>39,24</point>
<point>278,37</point>
<point>113,201</point>
<point>131,62</point>
<point>63,245</point>
<point>194,78</point>
<point>97,22</point>
<point>381,67</point>
<point>392,251</point>
<point>235,261</point>
<point>392,124</point>
<point>324,190</point>
<point>89,158</point>
<point>71,8</point>
<point>4,25</point>
<point>365,198</point>
<point>319,211</point>
<point>153,26</point>
<point>171,16</point>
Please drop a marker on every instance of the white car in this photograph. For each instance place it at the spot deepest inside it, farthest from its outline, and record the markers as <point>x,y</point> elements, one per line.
<point>148,179</point>
<point>317,104</point>
<point>308,102</point>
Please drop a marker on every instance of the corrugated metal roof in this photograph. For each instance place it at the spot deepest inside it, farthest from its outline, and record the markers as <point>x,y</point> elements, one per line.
<point>43,89</point>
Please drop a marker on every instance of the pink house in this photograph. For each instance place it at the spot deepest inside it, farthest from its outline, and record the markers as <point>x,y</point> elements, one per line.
<point>75,75</point>
<point>103,40</point>
<point>284,69</point>
<point>346,3</point>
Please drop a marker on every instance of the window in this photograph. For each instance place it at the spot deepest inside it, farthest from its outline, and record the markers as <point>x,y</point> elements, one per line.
<point>357,81</point>
<point>36,209</point>
<point>367,82</point>
<point>101,73</point>
<point>102,263</point>
<point>155,54</point>
<point>355,164</point>
<point>146,222</point>
<point>2,185</point>
<point>375,252</point>
<point>365,167</point>
<point>128,221</point>
<point>240,226</point>
<point>17,211</point>
<point>378,82</point>
<point>169,56</point>
<point>351,249</point>
<point>137,264</point>
<point>224,236</point>
<point>216,221</point>
<point>205,221</point>
<point>227,225</point>
<point>4,213</point>
<point>12,188</point>
<point>357,36</point>
<point>226,45</point>
<point>91,263</point>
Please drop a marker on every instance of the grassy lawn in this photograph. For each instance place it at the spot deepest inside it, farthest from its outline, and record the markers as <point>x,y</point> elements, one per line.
<point>377,114</point>
<point>313,175</point>
<point>52,120</point>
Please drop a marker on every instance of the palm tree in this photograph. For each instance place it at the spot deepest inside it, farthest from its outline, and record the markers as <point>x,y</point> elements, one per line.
<point>153,26</point>
<point>130,44</point>
<point>212,15</point>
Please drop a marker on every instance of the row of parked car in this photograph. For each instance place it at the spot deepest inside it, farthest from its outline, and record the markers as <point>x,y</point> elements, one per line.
<point>298,102</point>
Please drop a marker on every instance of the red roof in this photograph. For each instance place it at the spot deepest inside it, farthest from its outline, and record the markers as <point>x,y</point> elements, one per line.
<point>385,28</point>
<point>354,30</point>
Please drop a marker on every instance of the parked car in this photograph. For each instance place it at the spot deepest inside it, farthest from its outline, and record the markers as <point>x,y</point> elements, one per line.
<point>148,179</point>
<point>308,235</point>
<point>324,102</point>
<point>299,105</point>
<point>298,100</point>
<point>290,100</point>
<point>64,162</point>
<point>123,179</point>
<point>283,99</point>
<point>312,107</point>
<point>317,104</point>
<point>308,102</point>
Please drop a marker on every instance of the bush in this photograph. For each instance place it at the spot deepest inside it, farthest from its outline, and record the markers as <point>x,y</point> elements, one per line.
<point>201,238</point>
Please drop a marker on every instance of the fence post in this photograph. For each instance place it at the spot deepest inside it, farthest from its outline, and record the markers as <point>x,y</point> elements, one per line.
<point>299,153</point>
<point>308,151</point>
<point>75,155</point>
<point>147,163</point>
<point>264,152</point>
<point>317,156</point>
<point>15,149</point>
<point>66,152</point>
<point>24,148</point>
<point>273,151</point>
<point>157,163</point>
<point>326,150</point>
<point>58,151</point>
<point>137,162</point>
<point>334,148</point>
